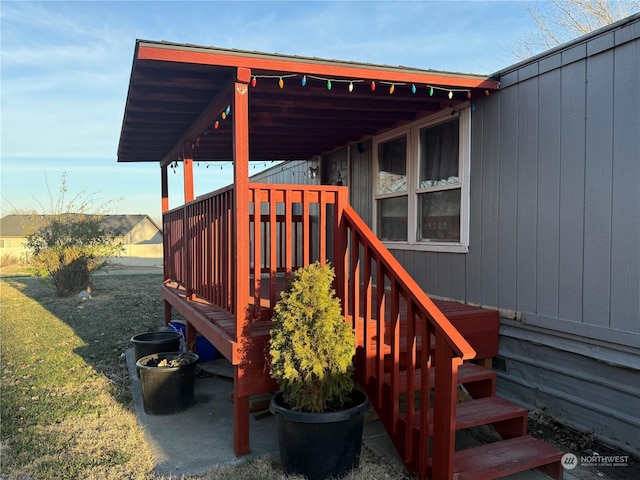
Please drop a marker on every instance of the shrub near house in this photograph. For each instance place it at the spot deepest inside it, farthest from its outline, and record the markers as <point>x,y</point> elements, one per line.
<point>68,248</point>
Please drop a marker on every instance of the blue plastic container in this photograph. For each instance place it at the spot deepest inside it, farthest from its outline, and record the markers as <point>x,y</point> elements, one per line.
<point>204,349</point>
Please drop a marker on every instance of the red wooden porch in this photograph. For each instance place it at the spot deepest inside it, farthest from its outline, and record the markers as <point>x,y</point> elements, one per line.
<point>228,253</point>
<point>390,316</point>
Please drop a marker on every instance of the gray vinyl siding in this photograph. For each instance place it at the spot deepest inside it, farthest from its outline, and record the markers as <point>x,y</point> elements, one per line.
<point>575,351</point>
<point>555,233</point>
<point>572,167</point>
<point>295,172</point>
<point>598,188</point>
<point>508,213</point>
<point>548,181</point>
<point>566,380</point>
<point>625,244</point>
<point>555,196</point>
<point>361,182</point>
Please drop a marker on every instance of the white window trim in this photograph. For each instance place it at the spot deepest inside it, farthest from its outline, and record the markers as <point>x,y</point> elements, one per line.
<point>412,133</point>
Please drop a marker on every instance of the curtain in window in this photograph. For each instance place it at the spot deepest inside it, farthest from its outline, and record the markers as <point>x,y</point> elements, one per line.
<point>439,154</point>
<point>392,166</point>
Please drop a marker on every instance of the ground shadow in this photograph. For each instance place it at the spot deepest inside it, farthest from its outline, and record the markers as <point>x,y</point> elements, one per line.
<point>121,306</point>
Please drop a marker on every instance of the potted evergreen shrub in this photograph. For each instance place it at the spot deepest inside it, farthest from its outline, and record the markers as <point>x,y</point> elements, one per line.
<point>319,412</point>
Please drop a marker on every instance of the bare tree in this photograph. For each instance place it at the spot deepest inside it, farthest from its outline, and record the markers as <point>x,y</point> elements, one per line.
<point>559,21</point>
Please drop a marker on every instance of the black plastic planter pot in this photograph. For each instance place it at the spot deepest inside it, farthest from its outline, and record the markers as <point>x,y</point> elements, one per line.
<point>155,342</point>
<point>320,445</point>
<point>167,389</point>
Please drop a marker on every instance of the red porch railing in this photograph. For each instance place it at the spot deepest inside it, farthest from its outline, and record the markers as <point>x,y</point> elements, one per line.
<point>294,225</point>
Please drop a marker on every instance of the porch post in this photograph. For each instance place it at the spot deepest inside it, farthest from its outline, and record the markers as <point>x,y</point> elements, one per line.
<point>164,182</point>
<point>240,113</point>
<point>340,250</point>
<point>187,160</point>
<point>187,165</point>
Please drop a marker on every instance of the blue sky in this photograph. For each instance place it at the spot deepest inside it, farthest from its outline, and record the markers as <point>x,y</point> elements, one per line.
<point>65,70</point>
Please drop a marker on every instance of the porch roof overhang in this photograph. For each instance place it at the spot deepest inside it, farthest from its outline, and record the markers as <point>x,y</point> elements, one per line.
<point>178,93</point>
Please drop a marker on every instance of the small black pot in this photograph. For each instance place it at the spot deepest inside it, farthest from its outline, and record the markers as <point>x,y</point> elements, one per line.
<point>167,390</point>
<point>320,445</point>
<point>155,342</point>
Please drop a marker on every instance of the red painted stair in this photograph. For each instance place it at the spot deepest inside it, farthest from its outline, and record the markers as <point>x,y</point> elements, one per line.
<point>495,460</point>
<point>412,355</point>
<point>515,452</point>
<point>509,419</point>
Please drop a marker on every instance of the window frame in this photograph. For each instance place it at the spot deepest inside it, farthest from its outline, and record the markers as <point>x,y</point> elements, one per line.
<point>412,133</point>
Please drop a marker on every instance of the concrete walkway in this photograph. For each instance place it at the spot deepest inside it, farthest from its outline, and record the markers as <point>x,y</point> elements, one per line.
<point>200,439</point>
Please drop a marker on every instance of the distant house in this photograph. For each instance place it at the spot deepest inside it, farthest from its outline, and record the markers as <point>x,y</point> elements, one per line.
<point>140,235</point>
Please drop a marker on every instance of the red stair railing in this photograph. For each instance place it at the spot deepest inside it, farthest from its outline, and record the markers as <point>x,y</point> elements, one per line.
<point>380,292</point>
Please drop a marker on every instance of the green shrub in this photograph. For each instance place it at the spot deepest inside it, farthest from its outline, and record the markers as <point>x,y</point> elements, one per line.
<point>71,241</point>
<point>69,247</point>
<point>312,346</point>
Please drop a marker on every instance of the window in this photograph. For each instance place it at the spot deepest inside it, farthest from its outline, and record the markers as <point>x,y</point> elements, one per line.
<point>392,187</point>
<point>422,184</point>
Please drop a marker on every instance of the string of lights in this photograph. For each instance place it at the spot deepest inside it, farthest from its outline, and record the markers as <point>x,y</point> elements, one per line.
<point>432,89</point>
<point>329,82</point>
<point>309,169</point>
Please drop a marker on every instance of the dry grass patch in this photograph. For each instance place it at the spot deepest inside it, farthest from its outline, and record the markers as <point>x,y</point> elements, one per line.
<point>371,467</point>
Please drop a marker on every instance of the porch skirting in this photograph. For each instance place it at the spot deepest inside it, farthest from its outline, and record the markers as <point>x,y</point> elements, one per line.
<point>559,375</point>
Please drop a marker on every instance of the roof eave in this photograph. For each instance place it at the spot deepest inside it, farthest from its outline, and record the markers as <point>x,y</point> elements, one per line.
<point>170,52</point>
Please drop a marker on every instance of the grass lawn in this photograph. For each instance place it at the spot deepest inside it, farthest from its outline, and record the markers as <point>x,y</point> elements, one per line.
<point>66,405</point>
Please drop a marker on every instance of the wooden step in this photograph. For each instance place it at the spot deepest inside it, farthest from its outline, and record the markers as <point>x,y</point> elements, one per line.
<point>506,457</point>
<point>479,381</point>
<point>508,418</point>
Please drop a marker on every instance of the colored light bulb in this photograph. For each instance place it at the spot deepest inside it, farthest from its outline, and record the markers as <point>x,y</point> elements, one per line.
<point>253,82</point>
<point>373,85</point>
<point>431,91</point>
<point>281,83</point>
<point>350,86</point>
<point>304,80</point>
<point>392,89</point>
<point>223,115</point>
<point>413,88</point>
<point>450,94</point>
<point>216,125</point>
<point>228,109</point>
<point>328,84</point>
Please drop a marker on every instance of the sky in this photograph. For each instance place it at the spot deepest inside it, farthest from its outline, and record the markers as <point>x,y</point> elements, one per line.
<point>65,70</point>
